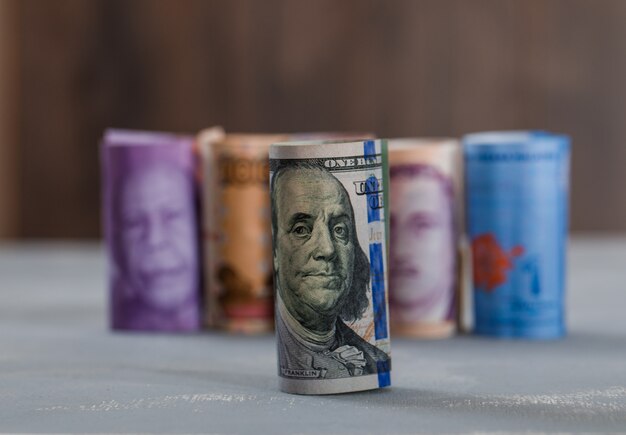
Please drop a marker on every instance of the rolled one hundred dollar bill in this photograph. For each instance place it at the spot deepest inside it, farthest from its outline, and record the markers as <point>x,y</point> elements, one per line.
<point>329,253</point>
<point>236,227</point>
<point>517,190</point>
<point>149,208</point>
<point>425,207</point>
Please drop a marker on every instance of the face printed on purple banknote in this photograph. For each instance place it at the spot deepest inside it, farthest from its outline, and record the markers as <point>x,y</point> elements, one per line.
<point>422,250</point>
<point>153,238</point>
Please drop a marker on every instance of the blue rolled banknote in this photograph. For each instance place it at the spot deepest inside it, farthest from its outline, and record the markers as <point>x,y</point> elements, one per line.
<point>517,187</point>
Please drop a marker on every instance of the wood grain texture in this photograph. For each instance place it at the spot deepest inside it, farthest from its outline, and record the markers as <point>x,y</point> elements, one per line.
<point>9,103</point>
<point>398,68</point>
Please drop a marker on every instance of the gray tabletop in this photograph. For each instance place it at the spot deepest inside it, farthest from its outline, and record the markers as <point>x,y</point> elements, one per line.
<point>62,370</point>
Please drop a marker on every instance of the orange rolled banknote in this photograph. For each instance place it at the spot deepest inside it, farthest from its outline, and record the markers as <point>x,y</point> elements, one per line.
<point>425,219</point>
<point>236,228</point>
<point>239,293</point>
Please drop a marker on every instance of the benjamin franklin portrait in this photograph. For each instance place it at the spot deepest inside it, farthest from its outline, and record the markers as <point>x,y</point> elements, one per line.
<point>322,277</point>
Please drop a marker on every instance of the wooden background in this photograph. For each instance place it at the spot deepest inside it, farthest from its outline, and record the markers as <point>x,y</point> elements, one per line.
<point>394,67</point>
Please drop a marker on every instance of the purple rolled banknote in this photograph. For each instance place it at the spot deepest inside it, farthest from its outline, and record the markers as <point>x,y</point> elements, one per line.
<point>150,217</point>
<point>425,230</point>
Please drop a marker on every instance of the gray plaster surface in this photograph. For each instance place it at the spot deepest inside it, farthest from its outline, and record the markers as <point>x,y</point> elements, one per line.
<point>62,370</point>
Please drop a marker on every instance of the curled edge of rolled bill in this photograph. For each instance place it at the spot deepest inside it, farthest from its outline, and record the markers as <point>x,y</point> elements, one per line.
<point>330,264</point>
<point>427,254</point>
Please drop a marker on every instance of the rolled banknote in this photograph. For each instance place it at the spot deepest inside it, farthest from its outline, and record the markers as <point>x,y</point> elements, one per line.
<point>425,232</point>
<point>517,207</point>
<point>329,254</point>
<point>236,227</point>
<point>149,208</point>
